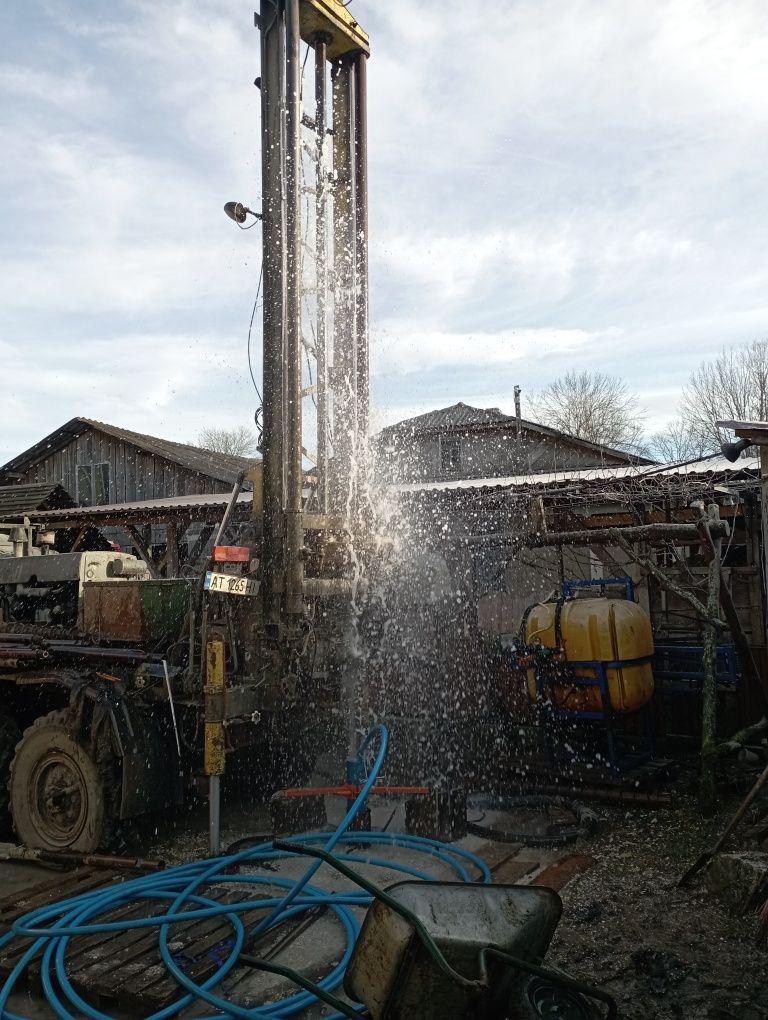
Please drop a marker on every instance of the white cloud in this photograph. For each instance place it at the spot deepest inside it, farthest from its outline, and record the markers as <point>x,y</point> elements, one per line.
<point>572,184</point>
<point>396,351</point>
<point>76,91</point>
<point>161,384</point>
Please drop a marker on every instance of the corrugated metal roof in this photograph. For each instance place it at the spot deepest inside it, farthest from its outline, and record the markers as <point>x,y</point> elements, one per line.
<point>18,500</point>
<point>220,466</point>
<point>201,501</point>
<point>714,465</point>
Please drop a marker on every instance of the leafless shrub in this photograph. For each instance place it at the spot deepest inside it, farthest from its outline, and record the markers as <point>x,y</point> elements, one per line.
<point>593,406</point>
<point>734,386</point>
<point>237,442</point>
<point>678,443</point>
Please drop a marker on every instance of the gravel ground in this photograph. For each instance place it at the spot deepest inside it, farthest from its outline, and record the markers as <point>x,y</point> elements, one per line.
<point>662,952</point>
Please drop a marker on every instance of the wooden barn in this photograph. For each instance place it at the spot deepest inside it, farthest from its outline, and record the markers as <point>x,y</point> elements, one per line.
<point>101,464</point>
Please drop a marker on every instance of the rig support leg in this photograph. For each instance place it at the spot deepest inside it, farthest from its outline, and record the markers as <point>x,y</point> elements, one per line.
<point>213,757</point>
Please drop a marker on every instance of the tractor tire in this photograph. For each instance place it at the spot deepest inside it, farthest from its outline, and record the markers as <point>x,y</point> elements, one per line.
<point>9,738</point>
<point>57,792</point>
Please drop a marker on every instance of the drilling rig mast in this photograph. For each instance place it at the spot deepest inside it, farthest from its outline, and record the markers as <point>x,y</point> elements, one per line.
<point>308,530</point>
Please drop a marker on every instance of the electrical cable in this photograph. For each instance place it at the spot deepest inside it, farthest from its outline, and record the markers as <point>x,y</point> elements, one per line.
<point>180,892</point>
<point>250,329</point>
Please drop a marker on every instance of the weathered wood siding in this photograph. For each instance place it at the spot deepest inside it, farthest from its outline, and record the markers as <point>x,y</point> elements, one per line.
<point>489,453</point>
<point>133,474</point>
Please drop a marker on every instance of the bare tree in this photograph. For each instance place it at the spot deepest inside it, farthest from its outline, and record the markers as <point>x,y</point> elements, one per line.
<point>732,386</point>
<point>237,442</point>
<point>678,443</point>
<point>593,406</point>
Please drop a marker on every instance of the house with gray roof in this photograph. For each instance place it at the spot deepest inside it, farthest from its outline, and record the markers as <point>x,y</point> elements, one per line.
<point>461,441</point>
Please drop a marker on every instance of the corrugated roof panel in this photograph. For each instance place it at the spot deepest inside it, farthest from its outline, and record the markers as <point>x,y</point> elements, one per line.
<point>194,502</point>
<point>705,466</point>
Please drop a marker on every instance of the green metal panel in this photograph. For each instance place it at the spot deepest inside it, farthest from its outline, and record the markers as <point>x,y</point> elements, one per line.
<point>163,607</point>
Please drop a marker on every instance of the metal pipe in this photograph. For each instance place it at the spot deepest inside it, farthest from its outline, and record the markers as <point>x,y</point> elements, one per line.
<point>321,253</point>
<point>169,689</point>
<point>293,446</point>
<point>343,496</point>
<point>518,417</point>
<point>273,260</point>
<point>213,740</point>
<point>361,243</point>
<point>214,815</point>
<point>230,506</point>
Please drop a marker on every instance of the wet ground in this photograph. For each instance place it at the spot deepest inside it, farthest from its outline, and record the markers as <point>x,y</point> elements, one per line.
<point>663,953</point>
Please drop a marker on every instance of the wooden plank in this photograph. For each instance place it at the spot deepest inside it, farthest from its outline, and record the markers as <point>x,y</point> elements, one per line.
<point>513,870</point>
<point>559,874</point>
<point>81,950</point>
<point>126,966</point>
<point>205,938</point>
<point>495,854</point>
<point>59,888</point>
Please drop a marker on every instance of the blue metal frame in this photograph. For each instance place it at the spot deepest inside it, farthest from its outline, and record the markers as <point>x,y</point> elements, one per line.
<point>606,717</point>
<point>727,674</point>
<point>568,587</point>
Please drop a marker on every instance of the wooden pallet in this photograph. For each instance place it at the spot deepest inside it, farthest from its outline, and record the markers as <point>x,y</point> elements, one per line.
<point>125,967</point>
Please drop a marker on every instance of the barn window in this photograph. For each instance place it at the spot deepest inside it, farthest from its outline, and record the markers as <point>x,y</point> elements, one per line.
<point>450,454</point>
<point>92,484</point>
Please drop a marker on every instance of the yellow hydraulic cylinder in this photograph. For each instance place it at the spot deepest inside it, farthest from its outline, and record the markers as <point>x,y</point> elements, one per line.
<point>213,756</point>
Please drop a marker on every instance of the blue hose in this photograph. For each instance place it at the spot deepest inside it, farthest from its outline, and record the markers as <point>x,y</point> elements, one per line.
<point>52,927</point>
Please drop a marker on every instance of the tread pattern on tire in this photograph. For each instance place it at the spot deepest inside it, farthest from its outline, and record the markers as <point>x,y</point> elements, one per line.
<point>58,717</point>
<point>10,735</point>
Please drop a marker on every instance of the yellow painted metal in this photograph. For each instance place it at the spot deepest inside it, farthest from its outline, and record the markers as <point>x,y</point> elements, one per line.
<point>256,477</point>
<point>596,630</point>
<point>213,748</point>
<point>334,20</point>
<point>214,755</point>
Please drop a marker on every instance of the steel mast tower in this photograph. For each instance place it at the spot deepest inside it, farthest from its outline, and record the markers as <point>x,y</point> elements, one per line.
<point>314,179</point>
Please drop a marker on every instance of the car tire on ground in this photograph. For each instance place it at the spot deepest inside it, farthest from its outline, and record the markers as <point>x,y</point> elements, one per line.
<point>57,794</point>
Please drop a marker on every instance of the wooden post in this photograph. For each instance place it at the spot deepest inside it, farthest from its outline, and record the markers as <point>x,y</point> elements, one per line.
<point>707,791</point>
<point>142,550</point>
<point>764,510</point>
<point>172,550</point>
<point>751,675</point>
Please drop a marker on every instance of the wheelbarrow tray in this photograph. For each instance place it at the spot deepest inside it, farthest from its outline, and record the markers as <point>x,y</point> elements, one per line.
<point>394,975</point>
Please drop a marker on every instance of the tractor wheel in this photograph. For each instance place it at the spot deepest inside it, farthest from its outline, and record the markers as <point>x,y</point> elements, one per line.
<point>58,800</point>
<point>9,738</point>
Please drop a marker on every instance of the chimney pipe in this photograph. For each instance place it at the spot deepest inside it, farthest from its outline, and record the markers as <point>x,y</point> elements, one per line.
<point>518,415</point>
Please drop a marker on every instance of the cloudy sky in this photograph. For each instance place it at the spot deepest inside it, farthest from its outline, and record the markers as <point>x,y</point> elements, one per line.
<point>554,184</point>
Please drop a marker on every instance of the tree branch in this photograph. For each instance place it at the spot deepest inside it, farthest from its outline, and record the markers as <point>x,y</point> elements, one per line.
<point>669,584</point>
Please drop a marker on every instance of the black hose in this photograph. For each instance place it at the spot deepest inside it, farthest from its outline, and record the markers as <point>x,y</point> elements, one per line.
<point>585,820</point>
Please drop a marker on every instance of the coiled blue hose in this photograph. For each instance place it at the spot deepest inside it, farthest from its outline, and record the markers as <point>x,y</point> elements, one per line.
<point>52,927</point>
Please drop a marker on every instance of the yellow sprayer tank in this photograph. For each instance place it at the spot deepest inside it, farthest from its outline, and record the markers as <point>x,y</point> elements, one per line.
<point>595,630</point>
